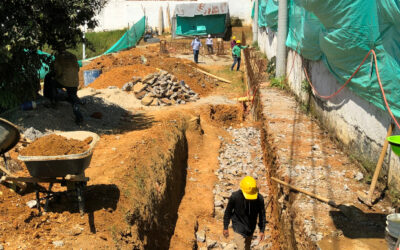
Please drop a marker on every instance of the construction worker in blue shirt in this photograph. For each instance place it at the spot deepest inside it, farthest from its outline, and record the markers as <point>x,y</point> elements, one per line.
<point>196,44</point>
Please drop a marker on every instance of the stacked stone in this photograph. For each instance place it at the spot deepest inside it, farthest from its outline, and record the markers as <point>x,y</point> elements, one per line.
<point>160,89</point>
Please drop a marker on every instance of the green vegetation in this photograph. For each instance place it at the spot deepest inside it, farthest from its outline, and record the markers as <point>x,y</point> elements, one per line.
<point>97,43</point>
<point>305,86</point>
<point>27,26</point>
<point>271,67</point>
<point>280,82</point>
<point>255,45</point>
<point>236,22</point>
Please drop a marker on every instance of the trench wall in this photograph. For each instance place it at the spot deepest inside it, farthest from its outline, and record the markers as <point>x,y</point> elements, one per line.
<point>154,190</point>
<point>357,124</point>
<point>117,14</point>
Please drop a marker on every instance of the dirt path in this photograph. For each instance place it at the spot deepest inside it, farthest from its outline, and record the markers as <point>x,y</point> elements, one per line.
<point>307,158</point>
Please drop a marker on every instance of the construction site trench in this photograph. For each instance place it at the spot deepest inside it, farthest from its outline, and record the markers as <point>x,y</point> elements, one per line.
<point>166,164</point>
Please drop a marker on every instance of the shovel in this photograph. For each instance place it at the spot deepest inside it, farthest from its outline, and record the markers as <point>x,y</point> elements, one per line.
<point>349,211</point>
<point>367,199</point>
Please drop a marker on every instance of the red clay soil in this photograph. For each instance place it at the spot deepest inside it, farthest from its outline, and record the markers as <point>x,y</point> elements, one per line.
<point>119,68</point>
<point>53,145</point>
<point>121,75</point>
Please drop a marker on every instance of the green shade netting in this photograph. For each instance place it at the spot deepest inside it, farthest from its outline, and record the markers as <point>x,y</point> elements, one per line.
<point>341,32</point>
<point>128,40</point>
<point>200,25</point>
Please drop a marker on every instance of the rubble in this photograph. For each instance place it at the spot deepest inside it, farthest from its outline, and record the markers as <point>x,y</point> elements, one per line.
<point>160,89</point>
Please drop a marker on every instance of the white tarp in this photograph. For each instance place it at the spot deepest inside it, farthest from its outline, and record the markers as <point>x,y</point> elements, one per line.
<point>203,9</point>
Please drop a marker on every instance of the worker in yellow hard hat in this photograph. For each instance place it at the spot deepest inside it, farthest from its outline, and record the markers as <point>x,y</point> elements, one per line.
<point>237,54</point>
<point>233,42</point>
<point>244,207</point>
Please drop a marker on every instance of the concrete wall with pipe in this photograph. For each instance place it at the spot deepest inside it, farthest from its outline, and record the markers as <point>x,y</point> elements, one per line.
<point>359,125</point>
<point>118,13</point>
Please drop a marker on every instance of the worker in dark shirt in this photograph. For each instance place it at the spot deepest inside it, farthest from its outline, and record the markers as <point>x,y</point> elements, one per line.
<point>244,207</point>
<point>64,75</point>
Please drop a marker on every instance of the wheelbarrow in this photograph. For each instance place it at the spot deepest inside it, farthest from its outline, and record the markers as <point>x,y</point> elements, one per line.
<point>68,170</point>
<point>9,137</point>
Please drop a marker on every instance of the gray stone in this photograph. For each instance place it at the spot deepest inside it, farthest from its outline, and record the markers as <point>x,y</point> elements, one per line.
<point>211,244</point>
<point>127,86</point>
<point>201,236</point>
<point>148,77</point>
<point>139,87</point>
<point>141,94</point>
<point>112,87</point>
<point>32,134</point>
<point>230,246</point>
<point>58,243</point>
<point>147,101</point>
<point>31,203</point>
<point>359,176</point>
<point>136,79</point>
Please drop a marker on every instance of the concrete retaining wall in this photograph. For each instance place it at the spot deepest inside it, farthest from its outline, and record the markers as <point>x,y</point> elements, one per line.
<point>117,14</point>
<point>359,125</point>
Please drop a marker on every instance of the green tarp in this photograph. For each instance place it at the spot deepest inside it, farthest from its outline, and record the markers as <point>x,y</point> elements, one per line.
<point>341,32</point>
<point>200,25</point>
<point>128,40</point>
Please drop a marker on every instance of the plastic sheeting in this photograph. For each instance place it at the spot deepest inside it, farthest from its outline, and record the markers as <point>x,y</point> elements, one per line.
<point>341,32</point>
<point>268,14</point>
<point>200,25</point>
<point>130,38</point>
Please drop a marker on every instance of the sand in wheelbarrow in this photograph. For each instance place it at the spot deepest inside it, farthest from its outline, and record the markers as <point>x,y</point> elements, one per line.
<point>52,145</point>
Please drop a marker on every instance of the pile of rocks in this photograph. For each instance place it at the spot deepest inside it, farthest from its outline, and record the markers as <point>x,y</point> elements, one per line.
<point>238,157</point>
<point>160,89</point>
<point>236,160</point>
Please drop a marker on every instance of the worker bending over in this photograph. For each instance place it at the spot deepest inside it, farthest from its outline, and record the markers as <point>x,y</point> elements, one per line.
<point>64,75</point>
<point>244,207</point>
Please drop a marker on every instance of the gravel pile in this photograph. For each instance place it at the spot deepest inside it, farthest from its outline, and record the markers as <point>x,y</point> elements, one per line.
<point>238,158</point>
<point>160,89</point>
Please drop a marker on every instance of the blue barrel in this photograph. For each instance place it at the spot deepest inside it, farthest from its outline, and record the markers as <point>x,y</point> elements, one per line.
<point>90,75</point>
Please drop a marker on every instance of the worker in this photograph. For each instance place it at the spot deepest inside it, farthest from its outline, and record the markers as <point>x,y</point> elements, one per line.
<point>237,52</point>
<point>196,44</point>
<point>64,75</point>
<point>209,43</point>
<point>233,42</point>
<point>244,207</point>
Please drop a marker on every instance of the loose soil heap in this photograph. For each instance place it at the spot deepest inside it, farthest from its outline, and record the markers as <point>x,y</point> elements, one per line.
<point>53,145</point>
<point>160,89</point>
<point>116,69</point>
<point>120,75</point>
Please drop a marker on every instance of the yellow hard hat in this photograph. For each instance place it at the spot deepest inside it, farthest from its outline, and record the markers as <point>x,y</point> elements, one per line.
<point>249,188</point>
<point>238,41</point>
<point>234,37</point>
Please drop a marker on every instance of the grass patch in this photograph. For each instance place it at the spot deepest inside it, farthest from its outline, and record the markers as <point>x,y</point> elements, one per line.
<point>236,77</point>
<point>99,42</point>
<point>279,83</point>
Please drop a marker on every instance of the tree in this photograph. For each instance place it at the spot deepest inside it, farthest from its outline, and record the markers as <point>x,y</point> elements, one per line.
<point>28,25</point>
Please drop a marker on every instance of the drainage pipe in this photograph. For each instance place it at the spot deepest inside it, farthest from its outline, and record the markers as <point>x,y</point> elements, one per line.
<point>282,33</point>
<point>255,22</point>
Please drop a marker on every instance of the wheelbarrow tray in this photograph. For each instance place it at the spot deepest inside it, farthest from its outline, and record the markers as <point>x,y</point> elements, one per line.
<point>61,165</point>
<point>9,136</point>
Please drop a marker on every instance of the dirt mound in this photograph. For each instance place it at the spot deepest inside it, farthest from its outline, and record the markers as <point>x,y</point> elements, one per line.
<point>52,145</point>
<point>116,67</point>
<point>120,75</point>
